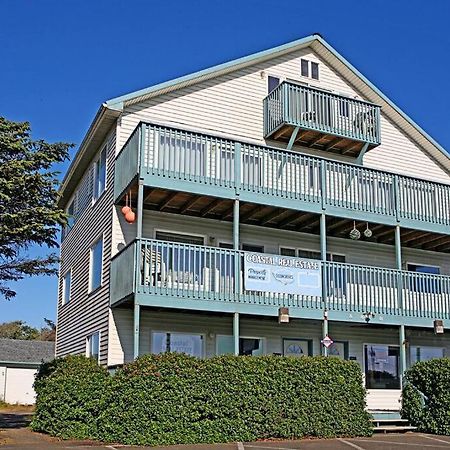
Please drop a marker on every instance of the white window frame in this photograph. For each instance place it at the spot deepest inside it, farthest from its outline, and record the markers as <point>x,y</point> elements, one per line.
<point>309,77</point>
<point>72,201</point>
<point>91,265</point>
<point>424,346</point>
<point>262,339</point>
<point>364,364</point>
<point>88,344</point>
<point>310,250</point>
<point>272,75</point>
<point>241,247</point>
<point>64,287</point>
<point>97,195</point>
<point>202,335</point>
<point>182,233</point>
<point>407,263</point>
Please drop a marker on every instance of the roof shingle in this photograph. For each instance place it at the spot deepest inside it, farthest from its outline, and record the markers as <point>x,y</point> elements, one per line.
<point>15,350</point>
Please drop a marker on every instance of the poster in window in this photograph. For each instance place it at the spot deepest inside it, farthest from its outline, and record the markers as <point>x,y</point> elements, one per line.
<point>337,349</point>
<point>296,347</point>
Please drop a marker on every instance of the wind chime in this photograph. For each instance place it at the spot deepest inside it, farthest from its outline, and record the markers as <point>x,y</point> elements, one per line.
<point>355,234</point>
<point>127,211</point>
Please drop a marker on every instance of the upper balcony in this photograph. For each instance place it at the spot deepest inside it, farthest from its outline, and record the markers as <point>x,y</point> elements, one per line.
<point>318,119</point>
<point>200,164</point>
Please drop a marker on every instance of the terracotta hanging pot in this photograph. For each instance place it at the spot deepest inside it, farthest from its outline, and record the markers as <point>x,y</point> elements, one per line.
<point>130,216</point>
<point>126,209</point>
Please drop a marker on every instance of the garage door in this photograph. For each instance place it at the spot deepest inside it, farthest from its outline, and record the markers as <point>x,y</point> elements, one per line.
<point>19,386</point>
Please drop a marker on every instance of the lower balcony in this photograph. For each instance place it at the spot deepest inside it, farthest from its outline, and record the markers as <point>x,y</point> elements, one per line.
<point>192,277</point>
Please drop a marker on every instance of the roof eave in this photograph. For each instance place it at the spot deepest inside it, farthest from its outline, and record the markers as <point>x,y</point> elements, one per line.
<point>96,134</point>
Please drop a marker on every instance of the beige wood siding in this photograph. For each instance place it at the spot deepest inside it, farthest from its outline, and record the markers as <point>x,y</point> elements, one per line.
<point>232,104</point>
<point>86,312</point>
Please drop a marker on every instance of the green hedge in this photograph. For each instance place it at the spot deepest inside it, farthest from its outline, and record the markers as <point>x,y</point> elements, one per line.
<point>176,399</point>
<point>426,396</point>
<point>70,394</point>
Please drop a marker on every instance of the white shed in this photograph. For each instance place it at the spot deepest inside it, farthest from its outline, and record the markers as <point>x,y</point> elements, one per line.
<point>19,361</point>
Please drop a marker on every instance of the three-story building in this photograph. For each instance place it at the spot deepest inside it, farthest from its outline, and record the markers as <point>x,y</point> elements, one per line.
<point>276,204</point>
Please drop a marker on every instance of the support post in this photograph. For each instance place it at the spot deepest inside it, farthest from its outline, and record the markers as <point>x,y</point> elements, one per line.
<point>398,247</point>
<point>292,138</point>
<point>398,259</point>
<point>137,313</point>
<point>236,225</point>
<point>236,333</point>
<point>402,338</point>
<point>323,256</point>
<point>140,209</point>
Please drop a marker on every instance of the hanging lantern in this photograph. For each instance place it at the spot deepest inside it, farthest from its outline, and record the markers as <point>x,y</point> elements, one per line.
<point>126,208</point>
<point>130,216</point>
<point>355,234</point>
<point>368,231</point>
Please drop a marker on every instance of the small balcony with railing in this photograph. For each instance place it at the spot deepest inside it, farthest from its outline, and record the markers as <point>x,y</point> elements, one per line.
<point>193,277</point>
<point>314,118</point>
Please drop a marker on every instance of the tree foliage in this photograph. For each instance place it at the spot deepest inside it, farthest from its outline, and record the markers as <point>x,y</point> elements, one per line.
<point>29,214</point>
<point>18,329</point>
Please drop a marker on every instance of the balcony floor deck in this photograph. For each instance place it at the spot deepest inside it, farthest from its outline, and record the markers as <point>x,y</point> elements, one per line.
<point>319,140</point>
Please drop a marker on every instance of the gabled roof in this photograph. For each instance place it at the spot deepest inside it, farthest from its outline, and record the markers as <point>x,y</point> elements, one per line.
<point>112,108</point>
<point>21,351</point>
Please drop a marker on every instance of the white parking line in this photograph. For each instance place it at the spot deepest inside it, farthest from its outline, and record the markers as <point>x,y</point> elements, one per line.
<point>351,444</point>
<point>273,448</point>
<point>402,443</point>
<point>435,439</point>
<point>240,446</point>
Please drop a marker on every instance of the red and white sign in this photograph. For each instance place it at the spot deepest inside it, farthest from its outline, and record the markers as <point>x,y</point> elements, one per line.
<point>327,341</point>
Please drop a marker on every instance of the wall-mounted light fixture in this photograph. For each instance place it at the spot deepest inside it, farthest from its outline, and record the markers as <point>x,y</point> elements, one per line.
<point>283,315</point>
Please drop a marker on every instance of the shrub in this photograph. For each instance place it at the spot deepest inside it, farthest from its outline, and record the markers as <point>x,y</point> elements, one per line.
<point>177,399</point>
<point>69,397</point>
<point>426,396</point>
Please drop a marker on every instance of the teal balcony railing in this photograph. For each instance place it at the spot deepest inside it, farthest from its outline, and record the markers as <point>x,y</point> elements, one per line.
<point>204,164</point>
<point>325,112</point>
<point>198,277</point>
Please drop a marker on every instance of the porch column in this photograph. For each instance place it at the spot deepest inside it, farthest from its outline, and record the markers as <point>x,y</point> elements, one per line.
<point>137,314</point>
<point>236,225</point>
<point>140,209</point>
<point>323,256</point>
<point>398,247</point>
<point>236,333</point>
<point>402,339</point>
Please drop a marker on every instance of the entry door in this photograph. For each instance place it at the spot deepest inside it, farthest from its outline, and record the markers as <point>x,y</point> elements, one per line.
<point>382,376</point>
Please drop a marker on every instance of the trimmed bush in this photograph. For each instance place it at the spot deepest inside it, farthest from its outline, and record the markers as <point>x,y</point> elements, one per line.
<point>69,397</point>
<point>177,399</point>
<point>426,396</point>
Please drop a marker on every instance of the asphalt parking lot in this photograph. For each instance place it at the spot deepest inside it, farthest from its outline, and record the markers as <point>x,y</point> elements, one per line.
<point>15,434</point>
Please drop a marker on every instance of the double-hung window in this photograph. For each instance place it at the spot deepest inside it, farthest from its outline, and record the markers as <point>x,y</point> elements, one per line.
<point>309,69</point>
<point>100,175</point>
<point>93,346</point>
<point>96,263</point>
<point>67,281</point>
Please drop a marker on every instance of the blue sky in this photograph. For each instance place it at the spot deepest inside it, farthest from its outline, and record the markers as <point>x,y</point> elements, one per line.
<point>60,59</point>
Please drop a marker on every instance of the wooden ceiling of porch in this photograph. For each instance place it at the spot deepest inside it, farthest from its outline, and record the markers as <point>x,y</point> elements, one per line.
<point>286,219</point>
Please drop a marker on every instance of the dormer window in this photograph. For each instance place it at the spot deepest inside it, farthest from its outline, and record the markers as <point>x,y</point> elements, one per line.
<point>309,69</point>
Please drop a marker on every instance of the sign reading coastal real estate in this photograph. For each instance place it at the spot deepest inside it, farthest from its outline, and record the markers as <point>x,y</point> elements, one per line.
<point>282,274</point>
